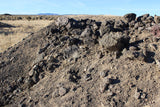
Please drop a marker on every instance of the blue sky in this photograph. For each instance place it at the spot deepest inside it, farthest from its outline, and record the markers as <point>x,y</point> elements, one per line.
<point>96,7</point>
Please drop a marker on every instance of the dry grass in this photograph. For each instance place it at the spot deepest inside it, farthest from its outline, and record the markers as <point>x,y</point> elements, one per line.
<point>11,36</point>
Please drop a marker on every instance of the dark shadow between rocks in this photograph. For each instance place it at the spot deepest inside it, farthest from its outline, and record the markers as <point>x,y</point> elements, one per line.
<point>5,25</point>
<point>115,81</point>
<point>136,43</point>
<point>150,57</point>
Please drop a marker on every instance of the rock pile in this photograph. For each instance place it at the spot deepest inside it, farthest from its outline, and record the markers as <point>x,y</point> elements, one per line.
<point>71,63</point>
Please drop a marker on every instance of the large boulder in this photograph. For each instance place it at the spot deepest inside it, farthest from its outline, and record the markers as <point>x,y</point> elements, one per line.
<point>62,21</point>
<point>149,19</point>
<point>142,18</point>
<point>130,17</point>
<point>114,42</point>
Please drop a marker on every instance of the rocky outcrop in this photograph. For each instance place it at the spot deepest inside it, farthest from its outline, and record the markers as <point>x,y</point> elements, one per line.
<point>71,63</point>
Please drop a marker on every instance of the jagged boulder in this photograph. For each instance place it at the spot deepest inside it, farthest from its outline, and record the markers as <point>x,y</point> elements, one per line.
<point>142,18</point>
<point>130,17</point>
<point>114,42</point>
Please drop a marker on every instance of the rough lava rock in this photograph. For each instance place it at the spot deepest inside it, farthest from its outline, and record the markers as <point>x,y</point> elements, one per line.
<point>114,42</point>
<point>130,17</point>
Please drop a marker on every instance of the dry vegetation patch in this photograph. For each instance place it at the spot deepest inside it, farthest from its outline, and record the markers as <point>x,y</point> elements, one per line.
<point>21,29</point>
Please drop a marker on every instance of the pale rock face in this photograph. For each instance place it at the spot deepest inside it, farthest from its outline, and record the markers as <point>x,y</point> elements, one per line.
<point>62,21</point>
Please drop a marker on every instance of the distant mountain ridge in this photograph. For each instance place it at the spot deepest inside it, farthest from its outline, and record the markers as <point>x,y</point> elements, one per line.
<point>47,14</point>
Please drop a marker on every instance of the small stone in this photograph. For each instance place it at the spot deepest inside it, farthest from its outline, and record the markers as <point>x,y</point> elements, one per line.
<point>110,86</point>
<point>10,89</point>
<point>31,72</point>
<point>10,96</point>
<point>128,54</point>
<point>62,91</point>
<point>141,56</point>
<point>109,93</point>
<point>86,32</point>
<point>157,63</point>
<point>88,77</point>
<point>29,81</point>
<point>50,67</point>
<point>22,105</point>
<point>140,29</point>
<point>42,75</point>
<point>105,84</point>
<point>107,80</point>
<point>20,80</point>
<point>143,95</point>
<point>52,59</point>
<point>43,49</point>
<point>38,58</point>
<point>103,73</point>
<point>91,70</point>
<point>75,55</point>
<point>35,67</point>
<point>153,47</point>
<point>46,96</point>
<point>16,91</point>
<point>103,87</point>
<point>35,78</point>
<point>132,48</point>
<point>100,55</point>
<point>55,93</point>
<point>137,94</point>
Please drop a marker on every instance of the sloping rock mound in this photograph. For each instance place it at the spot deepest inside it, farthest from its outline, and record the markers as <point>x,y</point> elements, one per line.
<point>71,63</point>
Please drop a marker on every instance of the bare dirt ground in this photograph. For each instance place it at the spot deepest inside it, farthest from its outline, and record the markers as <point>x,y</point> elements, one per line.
<point>81,62</point>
